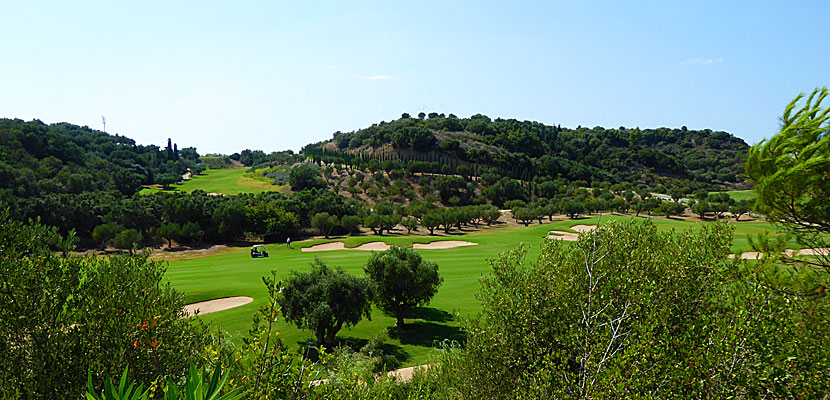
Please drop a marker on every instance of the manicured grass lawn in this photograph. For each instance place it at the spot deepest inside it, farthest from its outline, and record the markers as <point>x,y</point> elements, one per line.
<point>739,195</point>
<point>234,273</point>
<point>225,181</point>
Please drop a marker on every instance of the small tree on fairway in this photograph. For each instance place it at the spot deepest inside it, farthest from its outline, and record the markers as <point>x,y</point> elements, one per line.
<point>431,221</point>
<point>127,239</point>
<point>524,215</point>
<point>669,208</point>
<point>410,223</point>
<point>572,208</point>
<point>491,214</point>
<point>169,231</point>
<point>350,223</point>
<point>165,180</point>
<point>324,300</point>
<point>403,280</point>
<point>106,232</point>
<point>740,208</point>
<point>324,222</point>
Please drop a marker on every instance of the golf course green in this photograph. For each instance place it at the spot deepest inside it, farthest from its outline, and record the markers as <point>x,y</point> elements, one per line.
<point>235,273</point>
<point>227,181</point>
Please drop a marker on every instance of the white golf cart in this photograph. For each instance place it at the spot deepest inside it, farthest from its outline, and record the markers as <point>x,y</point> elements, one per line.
<point>258,250</point>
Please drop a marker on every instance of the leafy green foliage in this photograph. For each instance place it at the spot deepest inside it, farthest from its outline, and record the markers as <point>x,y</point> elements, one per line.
<point>324,300</point>
<point>199,384</point>
<point>38,159</point>
<point>790,173</point>
<point>630,313</point>
<point>526,149</point>
<point>403,280</point>
<point>61,315</point>
<point>120,392</point>
<point>324,222</point>
<point>270,220</point>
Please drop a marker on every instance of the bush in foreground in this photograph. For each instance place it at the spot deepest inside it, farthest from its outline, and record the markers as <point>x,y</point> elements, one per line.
<point>63,316</point>
<point>627,313</point>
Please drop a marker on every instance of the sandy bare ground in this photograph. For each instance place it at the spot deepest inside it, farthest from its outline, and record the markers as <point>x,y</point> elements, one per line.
<point>442,245</point>
<point>178,254</point>
<point>211,306</point>
<point>570,236</point>
<point>405,374</point>
<point>562,235</point>
<point>371,246</point>
<point>583,228</point>
<point>754,255</point>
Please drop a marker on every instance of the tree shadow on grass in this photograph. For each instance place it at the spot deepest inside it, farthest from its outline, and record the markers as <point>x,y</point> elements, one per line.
<point>430,314</point>
<point>422,333</point>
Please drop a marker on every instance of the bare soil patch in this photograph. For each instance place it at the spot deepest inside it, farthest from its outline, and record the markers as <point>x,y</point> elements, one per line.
<point>211,306</point>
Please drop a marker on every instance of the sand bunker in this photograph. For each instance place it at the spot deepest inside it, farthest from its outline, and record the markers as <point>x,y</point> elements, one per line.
<point>211,306</point>
<point>754,255</point>
<point>821,251</point>
<point>583,228</point>
<point>446,244</point>
<point>326,247</point>
<point>561,235</point>
<point>371,246</point>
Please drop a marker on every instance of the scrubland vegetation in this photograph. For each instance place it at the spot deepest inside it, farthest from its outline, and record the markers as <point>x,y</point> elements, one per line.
<point>634,308</point>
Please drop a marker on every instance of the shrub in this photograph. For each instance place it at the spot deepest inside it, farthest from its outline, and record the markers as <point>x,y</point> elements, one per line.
<point>629,313</point>
<point>60,316</point>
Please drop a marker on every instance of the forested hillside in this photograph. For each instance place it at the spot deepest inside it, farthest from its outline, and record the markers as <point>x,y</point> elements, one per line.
<point>37,159</point>
<point>533,151</point>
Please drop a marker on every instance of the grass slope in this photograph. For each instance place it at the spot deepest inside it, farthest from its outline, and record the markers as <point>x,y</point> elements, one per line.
<point>739,195</point>
<point>225,181</point>
<point>234,273</point>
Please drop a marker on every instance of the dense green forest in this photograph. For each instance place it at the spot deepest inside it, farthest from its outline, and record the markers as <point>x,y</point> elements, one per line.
<point>531,150</point>
<point>77,178</point>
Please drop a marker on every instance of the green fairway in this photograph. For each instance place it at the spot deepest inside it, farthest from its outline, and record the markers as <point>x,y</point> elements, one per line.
<point>234,273</point>
<point>225,181</point>
<point>739,195</point>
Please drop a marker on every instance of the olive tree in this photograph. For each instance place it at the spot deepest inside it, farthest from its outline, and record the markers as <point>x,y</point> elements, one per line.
<point>403,280</point>
<point>325,300</point>
<point>324,223</point>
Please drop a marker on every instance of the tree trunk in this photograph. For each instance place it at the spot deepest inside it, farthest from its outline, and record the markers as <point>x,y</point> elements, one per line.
<point>399,324</point>
<point>321,336</point>
<point>331,332</point>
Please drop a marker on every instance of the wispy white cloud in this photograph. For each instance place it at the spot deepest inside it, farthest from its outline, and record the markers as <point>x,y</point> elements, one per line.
<point>378,77</point>
<point>333,67</point>
<point>702,61</point>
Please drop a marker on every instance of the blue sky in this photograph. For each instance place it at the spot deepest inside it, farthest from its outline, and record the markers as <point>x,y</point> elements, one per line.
<point>224,76</point>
